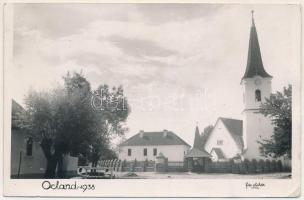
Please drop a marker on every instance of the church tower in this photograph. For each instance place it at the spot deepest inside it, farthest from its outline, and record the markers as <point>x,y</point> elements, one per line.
<point>256,84</point>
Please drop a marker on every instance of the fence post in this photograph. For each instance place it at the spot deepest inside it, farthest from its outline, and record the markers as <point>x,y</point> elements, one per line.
<point>123,165</point>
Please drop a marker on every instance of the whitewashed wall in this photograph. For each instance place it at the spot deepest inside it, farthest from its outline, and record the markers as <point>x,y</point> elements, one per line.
<point>172,152</point>
<point>255,125</point>
<point>229,147</point>
<point>256,128</point>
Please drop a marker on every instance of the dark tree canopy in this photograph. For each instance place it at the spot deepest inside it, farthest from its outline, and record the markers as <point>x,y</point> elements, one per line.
<point>65,121</point>
<point>279,108</point>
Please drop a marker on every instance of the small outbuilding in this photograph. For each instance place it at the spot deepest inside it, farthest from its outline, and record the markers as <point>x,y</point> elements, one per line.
<point>196,159</point>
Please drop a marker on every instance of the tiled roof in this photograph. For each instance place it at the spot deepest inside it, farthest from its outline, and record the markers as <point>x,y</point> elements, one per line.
<point>16,107</point>
<point>235,128</point>
<point>196,153</point>
<point>254,61</point>
<point>219,153</point>
<point>154,138</point>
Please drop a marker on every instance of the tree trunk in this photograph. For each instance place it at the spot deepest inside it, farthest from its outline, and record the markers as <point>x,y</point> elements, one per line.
<point>60,172</point>
<point>51,168</point>
<point>52,159</point>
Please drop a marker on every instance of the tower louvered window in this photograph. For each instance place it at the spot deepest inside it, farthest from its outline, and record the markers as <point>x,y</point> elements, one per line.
<point>258,95</point>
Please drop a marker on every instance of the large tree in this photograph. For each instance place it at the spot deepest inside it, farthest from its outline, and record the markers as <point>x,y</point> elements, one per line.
<point>65,121</point>
<point>279,108</point>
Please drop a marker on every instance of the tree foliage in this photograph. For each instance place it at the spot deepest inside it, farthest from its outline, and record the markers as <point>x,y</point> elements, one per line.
<point>65,121</point>
<point>279,108</point>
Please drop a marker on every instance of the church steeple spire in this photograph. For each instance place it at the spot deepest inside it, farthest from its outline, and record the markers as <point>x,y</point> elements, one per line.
<point>197,139</point>
<point>252,12</point>
<point>254,61</point>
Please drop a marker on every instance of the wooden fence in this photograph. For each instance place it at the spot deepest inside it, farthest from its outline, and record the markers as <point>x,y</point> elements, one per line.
<point>138,166</point>
<point>244,167</point>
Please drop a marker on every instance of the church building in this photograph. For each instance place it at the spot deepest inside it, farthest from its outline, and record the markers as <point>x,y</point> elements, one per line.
<point>238,138</point>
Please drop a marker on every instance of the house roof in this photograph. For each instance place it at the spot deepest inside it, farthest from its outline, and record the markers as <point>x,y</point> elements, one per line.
<point>154,138</point>
<point>16,107</point>
<point>219,153</point>
<point>16,110</point>
<point>235,128</point>
<point>196,153</point>
<point>254,60</point>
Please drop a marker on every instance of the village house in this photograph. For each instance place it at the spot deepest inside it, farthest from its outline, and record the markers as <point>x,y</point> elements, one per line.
<point>27,159</point>
<point>226,139</point>
<point>148,145</point>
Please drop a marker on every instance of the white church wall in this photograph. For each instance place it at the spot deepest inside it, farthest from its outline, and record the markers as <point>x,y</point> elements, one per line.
<point>258,127</point>
<point>228,147</point>
<point>255,125</point>
<point>250,85</point>
<point>172,152</point>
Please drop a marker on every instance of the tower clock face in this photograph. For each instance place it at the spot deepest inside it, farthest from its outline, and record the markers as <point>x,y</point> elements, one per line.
<point>257,82</point>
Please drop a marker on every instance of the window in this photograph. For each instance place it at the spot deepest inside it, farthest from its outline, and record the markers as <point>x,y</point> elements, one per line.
<point>129,152</point>
<point>145,151</point>
<point>154,152</point>
<point>258,95</point>
<point>219,142</point>
<point>29,146</point>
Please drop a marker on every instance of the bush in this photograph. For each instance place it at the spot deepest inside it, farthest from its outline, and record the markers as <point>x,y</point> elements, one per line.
<point>242,168</point>
<point>273,166</point>
<point>235,169</point>
<point>252,166</point>
<point>267,166</point>
<point>261,166</point>
<point>246,165</point>
<point>279,166</point>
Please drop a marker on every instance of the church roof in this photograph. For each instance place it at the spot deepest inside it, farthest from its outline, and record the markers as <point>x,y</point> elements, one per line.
<point>235,128</point>
<point>196,153</point>
<point>154,138</point>
<point>254,61</point>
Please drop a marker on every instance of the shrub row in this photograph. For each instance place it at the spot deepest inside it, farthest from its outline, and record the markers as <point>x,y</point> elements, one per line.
<point>245,167</point>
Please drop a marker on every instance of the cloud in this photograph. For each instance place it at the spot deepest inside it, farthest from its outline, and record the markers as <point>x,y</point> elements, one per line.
<point>59,20</point>
<point>140,48</point>
<point>164,13</point>
<point>154,50</point>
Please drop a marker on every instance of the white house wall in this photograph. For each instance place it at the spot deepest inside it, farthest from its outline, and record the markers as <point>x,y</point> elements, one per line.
<point>228,147</point>
<point>172,152</point>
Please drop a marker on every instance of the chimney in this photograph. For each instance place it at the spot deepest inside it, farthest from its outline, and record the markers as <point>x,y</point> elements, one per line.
<point>165,133</point>
<point>141,133</point>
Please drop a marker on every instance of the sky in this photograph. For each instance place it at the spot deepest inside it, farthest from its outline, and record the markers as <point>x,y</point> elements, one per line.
<point>179,64</point>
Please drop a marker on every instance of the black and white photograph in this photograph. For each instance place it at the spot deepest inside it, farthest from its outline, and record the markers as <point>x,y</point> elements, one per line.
<point>163,91</point>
